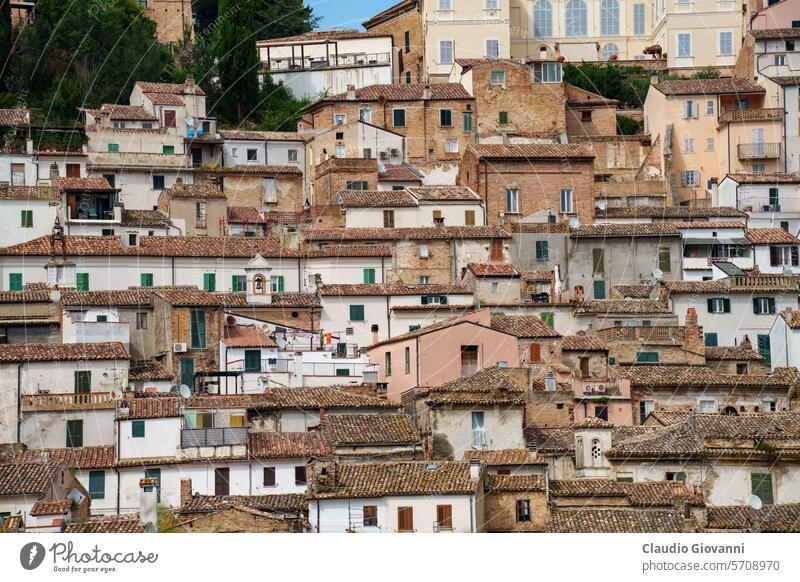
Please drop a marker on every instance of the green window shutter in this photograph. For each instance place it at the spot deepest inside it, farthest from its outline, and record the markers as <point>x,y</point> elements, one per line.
<point>252,360</point>
<point>146,279</point>
<point>756,308</point>
<point>711,340</point>
<point>155,474</point>
<point>549,317</point>
<point>771,306</point>
<point>26,219</point>
<point>97,484</point>
<point>599,289</point>
<point>612,360</point>
<point>198,328</point>
<point>83,382</point>
<point>113,148</point>
<point>15,281</point>
<point>646,357</point>
<point>137,429</point>
<point>413,327</point>
<point>503,117</point>
<point>468,121</point>
<point>764,348</point>
<point>356,313</point>
<point>82,281</point>
<point>710,305</point>
<point>424,299</point>
<point>598,262</point>
<point>761,484</point>
<point>443,300</point>
<point>169,150</point>
<point>369,276</point>
<point>726,305</point>
<point>281,286</point>
<point>187,372</point>
<point>209,282</point>
<point>235,283</point>
<point>74,433</point>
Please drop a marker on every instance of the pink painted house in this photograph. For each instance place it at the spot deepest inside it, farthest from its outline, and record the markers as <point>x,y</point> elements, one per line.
<point>442,352</point>
<point>780,15</point>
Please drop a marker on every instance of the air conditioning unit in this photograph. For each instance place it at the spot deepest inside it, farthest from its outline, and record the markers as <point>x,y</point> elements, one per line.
<point>600,389</point>
<point>384,155</point>
<point>587,389</point>
<point>179,348</point>
<point>395,152</point>
<point>348,331</point>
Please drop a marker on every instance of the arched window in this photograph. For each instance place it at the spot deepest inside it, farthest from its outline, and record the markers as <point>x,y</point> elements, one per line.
<point>609,17</point>
<point>576,18</point>
<point>259,287</point>
<point>543,18</point>
<point>609,49</point>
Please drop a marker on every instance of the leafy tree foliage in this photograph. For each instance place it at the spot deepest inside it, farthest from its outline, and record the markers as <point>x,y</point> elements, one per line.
<point>628,85</point>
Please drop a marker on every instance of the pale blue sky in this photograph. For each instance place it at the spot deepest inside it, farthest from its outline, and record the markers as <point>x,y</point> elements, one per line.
<point>347,13</point>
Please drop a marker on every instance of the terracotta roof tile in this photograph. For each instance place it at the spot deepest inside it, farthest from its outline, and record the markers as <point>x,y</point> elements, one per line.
<point>669,375</point>
<point>281,502</point>
<point>523,326</point>
<point>621,306</point>
<point>262,135</point>
<point>607,230</point>
<point>583,343</point>
<point>402,173</point>
<point>99,457</point>
<point>145,218</point>
<point>123,112</point>
<point>44,193</point>
<point>171,88</point>
<point>765,178</point>
<point>495,385</point>
<point>188,297</point>
<point>14,117</point>
<point>615,521</point>
<point>350,250</point>
<point>282,299</point>
<point>376,199</point>
<point>770,236</point>
<point>779,518</point>
<point>241,336</point>
<point>193,191</point>
<point>634,291</point>
<point>641,494</point>
<point>515,483</point>
<point>316,398</point>
<point>405,92</point>
<point>164,98</point>
<point>27,478</point>
<point>493,270</point>
<point>775,33</point>
<point>51,507</point>
<point>421,233</point>
<point>129,523</point>
<point>363,480</point>
<point>288,445</point>
<point>28,296</point>
<point>708,86</point>
<point>149,407</point>
<point>516,457</point>
<point>62,352</point>
<point>668,212</point>
<point>444,193</point>
<point>537,276</point>
<point>244,215</point>
<point>389,289</point>
<point>148,372</point>
<point>532,151</point>
<point>731,353</point>
<point>254,170</point>
<point>141,296</point>
<point>792,319</point>
<point>370,429</point>
<point>540,228</point>
<point>82,184</point>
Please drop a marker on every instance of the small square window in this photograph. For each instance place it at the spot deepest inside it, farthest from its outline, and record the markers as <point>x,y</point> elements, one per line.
<point>498,77</point>
<point>137,429</point>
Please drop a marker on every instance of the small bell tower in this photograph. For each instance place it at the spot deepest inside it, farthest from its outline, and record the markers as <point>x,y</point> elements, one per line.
<point>259,288</point>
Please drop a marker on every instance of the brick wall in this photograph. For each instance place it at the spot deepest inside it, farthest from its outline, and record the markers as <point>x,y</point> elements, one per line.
<point>585,120</point>
<point>171,18</point>
<point>205,359</point>
<point>411,61</point>
<point>235,520</point>
<point>409,266</point>
<point>500,511</point>
<point>332,175</point>
<point>549,409</point>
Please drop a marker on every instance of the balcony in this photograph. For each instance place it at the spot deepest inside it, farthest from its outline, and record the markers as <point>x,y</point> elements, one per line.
<point>336,369</point>
<point>346,61</point>
<point>734,115</point>
<point>758,151</point>
<point>66,401</point>
<point>763,282</point>
<point>653,333</point>
<point>213,437</point>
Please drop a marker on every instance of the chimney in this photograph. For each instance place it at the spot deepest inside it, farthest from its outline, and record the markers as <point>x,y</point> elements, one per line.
<point>53,172</point>
<point>189,85</point>
<point>105,118</point>
<point>427,93</point>
<point>746,344</point>
<point>579,294</point>
<point>691,317</point>
<point>351,92</point>
<point>148,504</point>
<point>375,329</point>
<point>474,469</point>
<point>654,79</point>
<point>186,491</point>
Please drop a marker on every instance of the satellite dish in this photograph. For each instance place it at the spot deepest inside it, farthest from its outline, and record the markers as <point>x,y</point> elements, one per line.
<point>185,391</point>
<point>658,274</point>
<point>602,206</point>
<point>755,502</point>
<point>174,389</point>
<point>574,223</point>
<point>189,120</point>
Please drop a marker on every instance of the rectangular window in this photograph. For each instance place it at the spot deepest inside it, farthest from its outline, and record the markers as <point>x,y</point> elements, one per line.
<point>665,259</point>
<point>113,148</point>
<point>83,382</point>
<point>141,320</point>
<point>291,155</point>
<point>469,218</point>
<point>137,429</point>
<point>688,145</point>
<point>725,44</point>
<point>599,288</point>
<point>711,144</point>
<point>645,408</point>
<point>408,77</point>
<point>598,261</point>
<point>684,44</point>
<point>523,511</point>
<point>200,215</point>
<point>407,41</point>
<point>26,218</point>
<point>496,249</point>
<point>467,122</point>
<point>492,48</point>
<point>542,250</point>
<point>478,430</point>
<point>339,118</point>
<point>719,305</point>
<point>646,357</point>
<point>407,353</point>
<point>168,150</point>
<point>512,200</point>
<point>764,348</point>
<point>82,281</point>
<point>549,318</point>
<point>566,201</point>
<point>424,253</point>
<point>388,219</point>
<point>503,118</point>
<point>15,281</point>
<point>197,318</point>
<point>710,107</point>
<point>370,514</point>
<point>445,52</point>
<point>446,117</point>
<point>97,484</point>
<point>366,153</point>
<point>340,153</point>
<point>18,174</point>
<point>74,434</point>
<point>357,185</point>
<point>690,178</point>
<point>369,276</point>
<point>222,481</point>
<point>158,182</point>
<point>638,19</point>
<point>300,475</point>
<point>146,279</point>
<point>399,117</point>
<point>444,517</point>
<point>356,313</point>
<point>238,283</point>
<point>498,77</point>
<point>387,363</point>
<point>269,476</point>
<point>405,519</point>
<point>252,360</point>
<point>761,486</point>
<point>445,4</point>
<point>689,109</point>
<point>764,305</point>
<point>451,146</point>
<point>155,474</point>
<point>711,339</point>
<point>276,284</point>
<point>209,282</point>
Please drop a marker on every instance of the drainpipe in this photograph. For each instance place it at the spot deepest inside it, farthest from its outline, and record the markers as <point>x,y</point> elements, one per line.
<point>485,194</point>
<point>388,318</point>
<point>116,469</point>
<point>173,270</point>
<point>19,400</point>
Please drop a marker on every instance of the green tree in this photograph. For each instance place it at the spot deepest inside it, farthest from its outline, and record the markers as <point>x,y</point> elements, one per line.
<point>6,41</point>
<point>279,18</point>
<point>91,54</point>
<point>628,85</point>
<point>205,14</point>
<point>237,60</point>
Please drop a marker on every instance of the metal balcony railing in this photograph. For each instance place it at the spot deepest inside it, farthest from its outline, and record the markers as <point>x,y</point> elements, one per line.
<point>213,437</point>
<point>758,151</point>
<point>332,62</point>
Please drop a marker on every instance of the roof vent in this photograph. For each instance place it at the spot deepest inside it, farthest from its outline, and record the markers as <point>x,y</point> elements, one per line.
<point>431,467</point>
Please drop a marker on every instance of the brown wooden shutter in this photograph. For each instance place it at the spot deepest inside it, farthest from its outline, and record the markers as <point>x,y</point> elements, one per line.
<point>536,353</point>
<point>444,516</point>
<point>73,170</point>
<point>388,218</point>
<point>222,479</point>
<point>169,118</point>
<point>405,519</point>
<point>497,249</point>
<point>469,218</point>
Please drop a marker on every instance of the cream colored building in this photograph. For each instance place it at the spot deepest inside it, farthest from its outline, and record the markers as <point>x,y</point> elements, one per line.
<point>463,29</point>
<point>579,30</point>
<point>698,33</point>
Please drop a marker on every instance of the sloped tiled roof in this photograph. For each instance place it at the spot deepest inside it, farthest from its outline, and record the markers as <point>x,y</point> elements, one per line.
<point>145,218</point>
<point>765,178</point>
<point>634,291</point>
<point>141,296</point>
<point>366,290</point>
<point>62,352</point>
<point>537,276</point>
<point>515,457</point>
<point>532,151</point>
<point>44,193</point>
<point>615,521</point>
<point>262,135</point>
<point>370,429</point>
<point>779,518</point>
<point>13,117</point>
<point>376,199</point>
<point>129,523</point>
<point>27,296</point>
<point>51,507</point>
<point>362,480</point>
<point>288,445</point>
<point>256,170</point>
<point>669,212</point>
<point>493,270</point>
<point>770,236</point>
<point>731,353</point>
<point>98,457</point>
<point>241,336</point>
<point>523,326</point>
<point>148,372</point>
<point>515,483</point>
<point>443,193</point>
<point>405,92</point>
<point>401,173</point>
<point>420,233</point>
<point>172,88</point>
<point>729,85</point>
<point>182,296</point>
<point>624,230</point>
<point>244,215</point>
<point>27,478</point>
<point>583,343</point>
<point>318,397</point>
<point>193,191</point>
<point>281,502</point>
<point>775,33</point>
<point>164,98</point>
<point>282,299</point>
<point>123,112</point>
<point>495,386</point>
<point>316,36</point>
<point>82,184</point>
<point>640,494</point>
<point>678,375</point>
<point>622,306</point>
<point>155,407</point>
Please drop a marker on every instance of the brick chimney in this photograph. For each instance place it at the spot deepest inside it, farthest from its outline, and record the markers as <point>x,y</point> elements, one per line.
<point>351,92</point>
<point>694,333</point>
<point>662,294</point>
<point>189,84</point>
<point>579,296</point>
<point>186,491</point>
<point>745,343</point>
<point>427,93</point>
